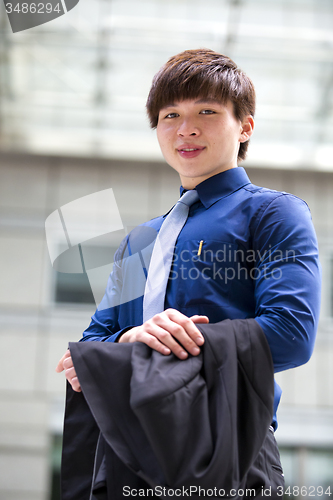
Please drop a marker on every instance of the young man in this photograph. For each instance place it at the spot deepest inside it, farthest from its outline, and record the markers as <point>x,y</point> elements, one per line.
<point>243,252</point>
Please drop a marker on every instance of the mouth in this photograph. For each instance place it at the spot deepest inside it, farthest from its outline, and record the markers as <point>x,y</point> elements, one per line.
<point>190,151</point>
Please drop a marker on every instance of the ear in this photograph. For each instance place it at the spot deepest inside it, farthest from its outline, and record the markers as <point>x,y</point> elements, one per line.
<point>247,127</point>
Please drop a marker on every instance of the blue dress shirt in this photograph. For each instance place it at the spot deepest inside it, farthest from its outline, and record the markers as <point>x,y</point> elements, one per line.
<point>244,252</point>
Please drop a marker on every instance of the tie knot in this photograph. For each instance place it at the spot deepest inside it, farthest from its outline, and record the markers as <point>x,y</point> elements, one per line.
<point>189,197</point>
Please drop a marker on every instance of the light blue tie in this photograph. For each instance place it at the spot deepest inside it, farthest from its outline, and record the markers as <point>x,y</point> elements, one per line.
<point>161,259</point>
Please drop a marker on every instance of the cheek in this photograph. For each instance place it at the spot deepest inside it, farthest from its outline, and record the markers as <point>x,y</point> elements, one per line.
<point>227,135</point>
<point>164,137</point>
<point>160,137</point>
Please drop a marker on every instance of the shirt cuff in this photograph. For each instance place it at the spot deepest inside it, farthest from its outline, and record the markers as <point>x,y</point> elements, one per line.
<point>117,335</point>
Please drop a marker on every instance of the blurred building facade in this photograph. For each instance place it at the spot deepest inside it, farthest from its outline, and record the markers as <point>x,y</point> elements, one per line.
<point>41,312</point>
<point>72,123</point>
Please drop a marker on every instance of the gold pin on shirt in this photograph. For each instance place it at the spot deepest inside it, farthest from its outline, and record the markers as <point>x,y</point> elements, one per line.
<point>200,248</point>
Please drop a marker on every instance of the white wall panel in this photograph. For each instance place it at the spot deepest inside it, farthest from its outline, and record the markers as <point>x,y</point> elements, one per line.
<point>18,361</point>
<point>21,269</point>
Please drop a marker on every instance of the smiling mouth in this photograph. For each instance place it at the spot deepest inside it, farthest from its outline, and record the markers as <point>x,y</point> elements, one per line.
<point>190,152</point>
<point>187,150</point>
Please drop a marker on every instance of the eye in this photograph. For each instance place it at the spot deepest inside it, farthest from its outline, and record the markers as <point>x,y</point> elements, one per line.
<point>207,112</point>
<point>171,115</point>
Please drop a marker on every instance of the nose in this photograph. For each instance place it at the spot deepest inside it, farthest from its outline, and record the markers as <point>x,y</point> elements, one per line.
<point>188,128</point>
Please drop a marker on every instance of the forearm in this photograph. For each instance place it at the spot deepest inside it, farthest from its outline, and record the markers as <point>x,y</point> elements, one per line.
<point>288,293</point>
<point>291,342</point>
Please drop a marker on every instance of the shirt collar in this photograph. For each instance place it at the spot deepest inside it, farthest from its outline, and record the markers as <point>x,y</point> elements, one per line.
<point>220,185</point>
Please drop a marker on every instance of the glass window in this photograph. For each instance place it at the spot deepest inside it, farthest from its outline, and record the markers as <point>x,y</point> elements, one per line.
<point>319,469</point>
<point>331,287</point>
<point>56,450</point>
<point>308,467</point>
<point>289,465</point>
<point>73,288</point>
<point>76,287</point>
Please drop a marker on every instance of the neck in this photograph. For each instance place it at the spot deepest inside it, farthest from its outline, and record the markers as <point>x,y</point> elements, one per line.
<point>191,182</point>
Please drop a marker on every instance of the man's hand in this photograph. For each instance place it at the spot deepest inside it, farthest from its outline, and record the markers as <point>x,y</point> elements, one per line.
<point>169,331</point>
<point>66,364</point>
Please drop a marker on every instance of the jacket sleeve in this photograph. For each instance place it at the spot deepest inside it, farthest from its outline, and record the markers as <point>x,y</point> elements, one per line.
<point>288,280</point>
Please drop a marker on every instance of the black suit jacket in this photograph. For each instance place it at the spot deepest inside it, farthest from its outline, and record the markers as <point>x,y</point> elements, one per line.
<point>201,421</point>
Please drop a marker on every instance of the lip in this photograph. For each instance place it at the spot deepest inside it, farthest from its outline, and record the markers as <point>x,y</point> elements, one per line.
<point>195,150</point>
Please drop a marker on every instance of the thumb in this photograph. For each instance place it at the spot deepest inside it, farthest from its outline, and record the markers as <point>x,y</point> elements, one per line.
<point>60,365</point>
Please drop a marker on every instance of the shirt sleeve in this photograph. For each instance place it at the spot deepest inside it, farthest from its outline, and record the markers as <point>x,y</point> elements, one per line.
<point>121,306</point>
<point>287,280</point>
<point>105,324</point>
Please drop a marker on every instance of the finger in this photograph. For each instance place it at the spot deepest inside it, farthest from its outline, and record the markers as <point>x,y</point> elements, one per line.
<point>72,378</point>
<point>60,365</point>
<point>75,384</point>
<point>193,336</point>
<point>153,342</point>
<point>140,334</point>
<point>70,373</point>
<point>172,334</point>
<point>68,362</point>
<point>162,332</point>
<point>199,319</point>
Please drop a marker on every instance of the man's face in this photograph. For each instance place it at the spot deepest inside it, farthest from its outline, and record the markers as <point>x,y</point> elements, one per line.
<point>200,138</point>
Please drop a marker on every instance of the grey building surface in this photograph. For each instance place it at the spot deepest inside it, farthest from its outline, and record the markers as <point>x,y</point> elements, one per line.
<point>72,123</point>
